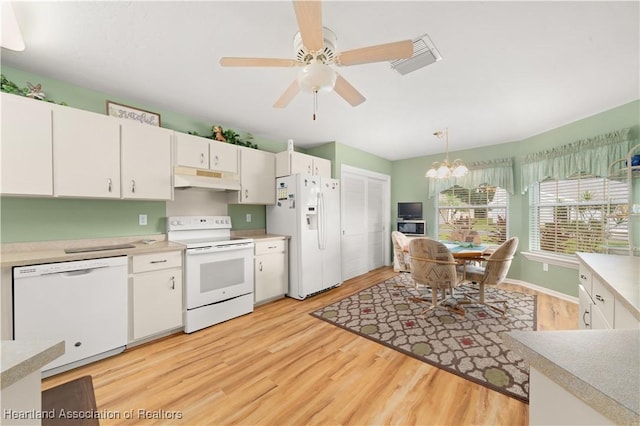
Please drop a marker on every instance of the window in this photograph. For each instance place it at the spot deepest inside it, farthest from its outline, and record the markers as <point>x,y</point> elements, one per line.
<point>573,215</point>
<point>478,214</point>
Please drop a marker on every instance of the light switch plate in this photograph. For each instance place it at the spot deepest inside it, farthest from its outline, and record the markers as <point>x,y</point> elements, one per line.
<point>142,219</point>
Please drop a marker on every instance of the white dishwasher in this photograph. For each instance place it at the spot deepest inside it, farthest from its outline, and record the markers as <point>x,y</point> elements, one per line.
<point>81,302</point>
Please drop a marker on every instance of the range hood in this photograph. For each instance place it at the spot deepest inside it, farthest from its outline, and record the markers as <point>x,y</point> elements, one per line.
<point>187,177</point>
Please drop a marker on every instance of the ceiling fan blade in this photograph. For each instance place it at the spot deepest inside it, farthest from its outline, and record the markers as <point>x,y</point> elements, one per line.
<point>258,62</point>
<point>348,92</point>
<point>380,52</point>
<point>309,16</point>
<point>288,95</point>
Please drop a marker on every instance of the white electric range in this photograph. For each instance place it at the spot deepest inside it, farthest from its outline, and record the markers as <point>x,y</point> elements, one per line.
<point>218,270</point>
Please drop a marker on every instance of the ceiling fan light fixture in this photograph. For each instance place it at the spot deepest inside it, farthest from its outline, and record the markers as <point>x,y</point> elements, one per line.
<point>317,77</point>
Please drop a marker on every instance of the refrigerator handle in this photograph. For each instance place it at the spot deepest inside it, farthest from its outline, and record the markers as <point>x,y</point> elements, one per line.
<point>320,219</point>
<point>324,223</point>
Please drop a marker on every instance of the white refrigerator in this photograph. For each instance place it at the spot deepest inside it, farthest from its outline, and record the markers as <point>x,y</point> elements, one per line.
<point>307,209</point>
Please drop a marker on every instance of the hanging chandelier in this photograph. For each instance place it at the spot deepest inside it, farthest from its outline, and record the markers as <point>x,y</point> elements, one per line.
<point>446,169</point>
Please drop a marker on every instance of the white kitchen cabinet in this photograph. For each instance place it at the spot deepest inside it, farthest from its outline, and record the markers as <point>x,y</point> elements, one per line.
<point>202,153</point>
<point>86,154</point>
<point>156,294</point>
<point>26,159</point>
<point>223,157</point>
<point>146,162</point>
<point>257,178</point>
<point>271,272</point>
<point>192,151</point>
<point>291,163</point>
<point>601,300</point>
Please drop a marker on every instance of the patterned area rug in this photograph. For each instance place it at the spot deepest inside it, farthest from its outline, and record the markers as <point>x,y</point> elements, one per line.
<point>470,347</point>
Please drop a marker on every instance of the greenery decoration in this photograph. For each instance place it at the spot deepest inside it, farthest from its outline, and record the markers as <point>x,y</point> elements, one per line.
<point>9,86</point>
<point>229,135</point>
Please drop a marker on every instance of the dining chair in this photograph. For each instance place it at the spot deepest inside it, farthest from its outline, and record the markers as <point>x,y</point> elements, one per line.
<point>492,273</point>
<point>400,251</point>
<point>433,265</point>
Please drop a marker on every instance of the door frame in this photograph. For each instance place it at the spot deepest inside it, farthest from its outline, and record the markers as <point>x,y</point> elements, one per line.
<point>386,195</point>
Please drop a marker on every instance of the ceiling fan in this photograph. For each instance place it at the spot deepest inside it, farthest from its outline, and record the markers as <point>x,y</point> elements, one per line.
<point>315,51</point>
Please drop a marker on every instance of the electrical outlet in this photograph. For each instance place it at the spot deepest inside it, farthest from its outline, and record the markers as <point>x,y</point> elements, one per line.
<point>248,217</point>
<point>545,267</point>
<point>142,219</point>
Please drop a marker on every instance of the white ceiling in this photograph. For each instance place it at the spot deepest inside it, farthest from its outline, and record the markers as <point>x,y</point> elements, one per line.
<point>510,70</point>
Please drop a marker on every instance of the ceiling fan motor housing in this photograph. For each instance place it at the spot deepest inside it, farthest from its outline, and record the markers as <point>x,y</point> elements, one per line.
<point>326,56</point>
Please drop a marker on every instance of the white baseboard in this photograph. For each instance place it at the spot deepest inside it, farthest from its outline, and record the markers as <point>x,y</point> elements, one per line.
<point>545,290</point>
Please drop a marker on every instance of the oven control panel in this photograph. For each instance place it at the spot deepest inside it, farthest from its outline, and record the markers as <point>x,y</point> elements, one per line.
<point>184,223</point>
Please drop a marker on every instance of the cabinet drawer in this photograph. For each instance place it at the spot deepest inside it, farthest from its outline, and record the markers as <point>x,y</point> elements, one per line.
<point>155,261</point>
<point>271,246</point>
<point>603,300</point>
<point>584,277</point>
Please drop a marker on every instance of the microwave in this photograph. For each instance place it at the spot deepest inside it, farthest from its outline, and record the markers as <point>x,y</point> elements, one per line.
<point>412,227</point>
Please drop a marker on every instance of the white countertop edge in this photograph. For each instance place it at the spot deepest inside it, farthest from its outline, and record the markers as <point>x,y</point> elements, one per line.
<point>527,344</point>
<point>23,357</point>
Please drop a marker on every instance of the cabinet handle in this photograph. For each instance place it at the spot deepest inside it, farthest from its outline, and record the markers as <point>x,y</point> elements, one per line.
<point>583,277</point>
<point>309,169</point>
<point>246,194</point>
<point>215,160</point>
<point>159,261</point>
<point>260,267</point>
<point>316,171</point>
<point>272,247</point>
<point>202,158</point>
<point>109,184</point>
<point>599,298</point>
<point>173,283</point>
<point>586,311</point>
<point>133,186</point>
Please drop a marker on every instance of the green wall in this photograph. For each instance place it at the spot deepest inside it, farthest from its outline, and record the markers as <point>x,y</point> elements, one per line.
<point>38,219</point>
<point>27,219</point>
<point>409,184</point>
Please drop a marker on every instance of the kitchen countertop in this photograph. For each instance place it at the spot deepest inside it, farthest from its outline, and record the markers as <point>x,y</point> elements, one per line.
<point>23,357</point>
<point>21,254</point>
<point>620,274</point>
<point>600,367</point>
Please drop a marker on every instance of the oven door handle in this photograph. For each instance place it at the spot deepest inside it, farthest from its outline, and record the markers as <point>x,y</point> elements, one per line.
<point>218,249</point>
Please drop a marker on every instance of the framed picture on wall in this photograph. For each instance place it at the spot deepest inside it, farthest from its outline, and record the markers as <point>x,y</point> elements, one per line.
<point>136,114</point>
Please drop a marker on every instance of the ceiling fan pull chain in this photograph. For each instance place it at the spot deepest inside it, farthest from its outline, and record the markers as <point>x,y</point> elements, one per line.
<point>315,104</point>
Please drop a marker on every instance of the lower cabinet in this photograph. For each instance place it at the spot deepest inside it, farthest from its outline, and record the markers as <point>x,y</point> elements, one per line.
<point>156,294</point>
<point>271,270</point>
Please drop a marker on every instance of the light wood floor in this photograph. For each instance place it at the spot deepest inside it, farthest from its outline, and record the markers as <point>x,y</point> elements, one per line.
<point>281,366</point>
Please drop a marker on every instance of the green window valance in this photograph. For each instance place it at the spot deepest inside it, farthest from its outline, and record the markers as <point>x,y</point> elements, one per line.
<point>494,172</point>
<point>588,156</point>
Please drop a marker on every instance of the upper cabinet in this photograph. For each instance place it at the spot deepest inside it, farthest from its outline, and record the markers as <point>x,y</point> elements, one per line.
<point>202,153</point>
<point>86,154</point>
<point>291,163</point>
<point>146,166</point>
<point>25,147</point>
<point>257,178</point>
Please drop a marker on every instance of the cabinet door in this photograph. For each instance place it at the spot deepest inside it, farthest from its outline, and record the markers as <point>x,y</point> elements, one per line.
<point>301,163</point>
<point>223,157</point>
<point>25,158</point>
<point>146,162</point>
<point>270,276</point>
<point>257,177</point>
<point>157,302</point>
<point>322,167</point>
<point>192,151</point>
<point>86,154</point>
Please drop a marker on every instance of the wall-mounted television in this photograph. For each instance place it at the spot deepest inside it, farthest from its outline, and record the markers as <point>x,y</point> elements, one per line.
<point>410,211</point>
